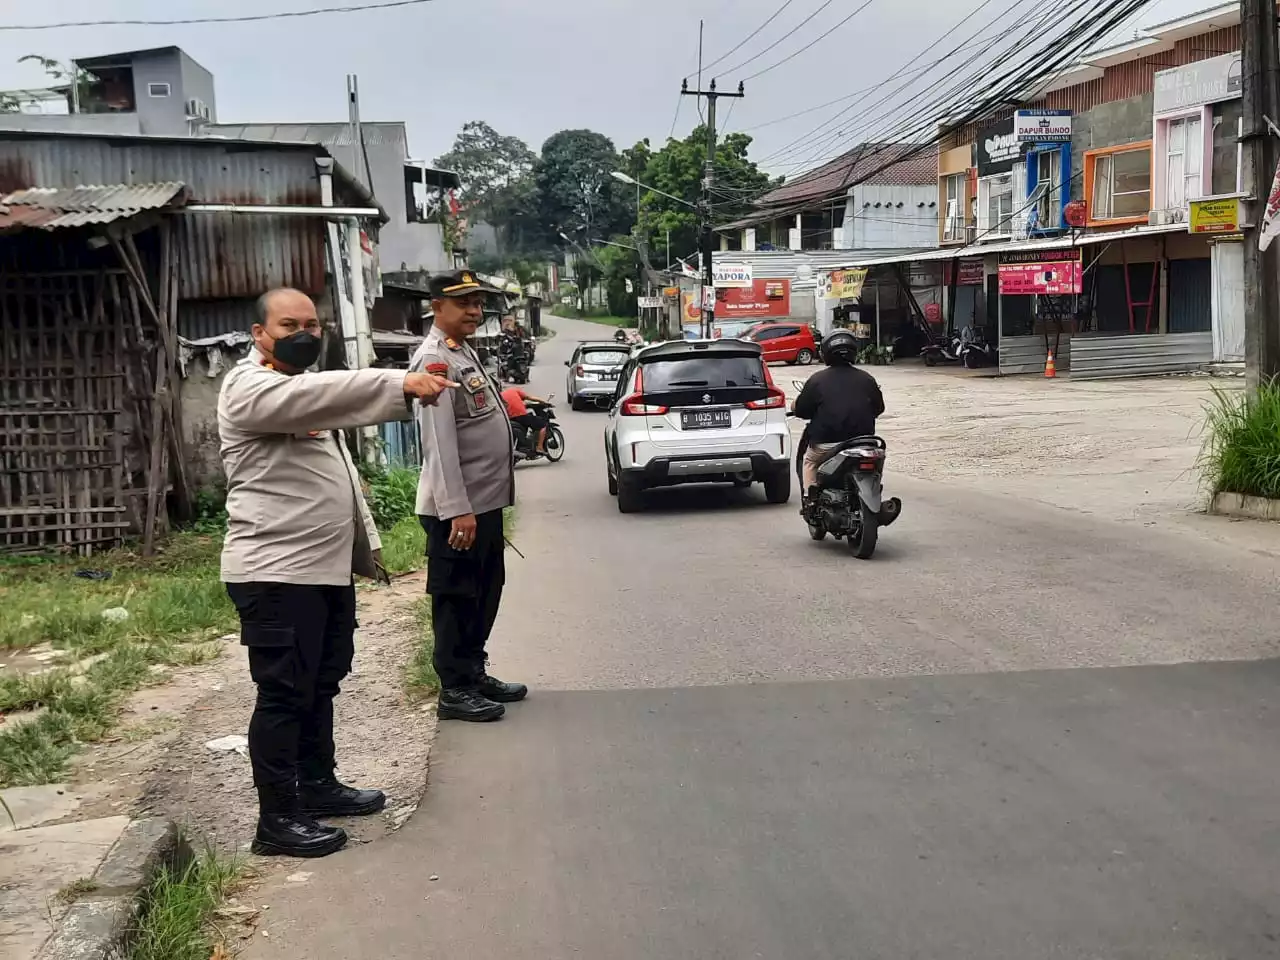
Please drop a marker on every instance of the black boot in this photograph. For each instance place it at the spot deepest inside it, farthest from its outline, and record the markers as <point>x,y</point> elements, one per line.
<point>327,797</point>
<point>294,835</point>
<point>468,704</point>
<point>491,688</point>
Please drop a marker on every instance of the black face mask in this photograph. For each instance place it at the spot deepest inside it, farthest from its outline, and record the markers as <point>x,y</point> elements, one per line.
<point>298,350</point>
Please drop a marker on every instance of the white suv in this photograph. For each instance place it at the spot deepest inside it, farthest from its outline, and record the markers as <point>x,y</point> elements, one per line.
<point>693,411</point>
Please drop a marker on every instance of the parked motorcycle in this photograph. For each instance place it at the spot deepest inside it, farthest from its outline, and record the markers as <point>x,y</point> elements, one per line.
<point>847,501</point>
<point>526,440</point>
<point>974,351</point>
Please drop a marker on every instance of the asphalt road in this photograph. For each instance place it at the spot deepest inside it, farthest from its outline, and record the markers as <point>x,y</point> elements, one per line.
<point>1004,737</point>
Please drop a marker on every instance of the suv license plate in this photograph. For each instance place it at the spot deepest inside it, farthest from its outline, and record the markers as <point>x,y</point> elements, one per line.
<point>705,419</point>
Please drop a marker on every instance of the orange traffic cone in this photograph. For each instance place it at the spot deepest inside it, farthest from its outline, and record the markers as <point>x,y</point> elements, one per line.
<point>1050,369</point>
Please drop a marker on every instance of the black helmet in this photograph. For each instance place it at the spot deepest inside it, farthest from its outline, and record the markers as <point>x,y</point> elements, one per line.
<point>839,347</point>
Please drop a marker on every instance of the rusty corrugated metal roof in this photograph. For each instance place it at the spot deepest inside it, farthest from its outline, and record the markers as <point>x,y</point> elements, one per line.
<point>54,208</point>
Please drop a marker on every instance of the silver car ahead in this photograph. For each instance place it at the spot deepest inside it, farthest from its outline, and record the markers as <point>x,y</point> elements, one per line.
<point>593,373</point>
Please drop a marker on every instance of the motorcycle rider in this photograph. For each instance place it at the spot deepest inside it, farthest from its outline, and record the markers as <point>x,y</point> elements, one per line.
<point>519,412</point>
<point>840,403</point>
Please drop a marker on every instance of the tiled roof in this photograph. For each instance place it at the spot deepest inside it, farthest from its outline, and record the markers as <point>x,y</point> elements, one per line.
<point>53,208</point>
<point>895,164</point>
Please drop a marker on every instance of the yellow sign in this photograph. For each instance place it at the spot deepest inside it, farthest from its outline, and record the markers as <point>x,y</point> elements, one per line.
<point>846,284</point>
<point>1215,216</point>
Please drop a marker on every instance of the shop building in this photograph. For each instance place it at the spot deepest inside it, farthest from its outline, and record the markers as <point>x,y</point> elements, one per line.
<point>1104,212</point>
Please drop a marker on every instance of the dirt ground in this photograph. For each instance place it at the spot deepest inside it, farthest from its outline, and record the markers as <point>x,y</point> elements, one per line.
<point>158,762</point>
<point>1121,449</point>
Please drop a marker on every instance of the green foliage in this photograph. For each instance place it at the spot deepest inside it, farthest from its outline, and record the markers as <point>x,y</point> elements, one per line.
<point>404,547</point>
<point>576,189</point>
<point>176,918</point>
<point>392,495</point>
<point>619,266</point>
<point>177,605</point>
<point>209,507</point>
<point>1241,452</point>
<point>498,185</point>
<point>677,169</point>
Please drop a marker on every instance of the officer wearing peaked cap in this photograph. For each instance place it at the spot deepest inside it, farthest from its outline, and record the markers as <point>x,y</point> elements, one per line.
<point>468,477</point>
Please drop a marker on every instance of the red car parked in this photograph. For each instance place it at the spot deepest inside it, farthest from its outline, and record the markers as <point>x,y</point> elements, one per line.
<point>785,342</point>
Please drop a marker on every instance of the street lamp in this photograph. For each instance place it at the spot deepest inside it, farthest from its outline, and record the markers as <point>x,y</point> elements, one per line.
<point>627,178</point>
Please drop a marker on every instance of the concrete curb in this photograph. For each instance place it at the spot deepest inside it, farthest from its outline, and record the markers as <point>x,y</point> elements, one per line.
<point>97,925</point>
<point>1240,505</point>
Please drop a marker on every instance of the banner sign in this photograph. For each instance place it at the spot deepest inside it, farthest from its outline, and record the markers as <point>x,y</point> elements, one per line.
<point>998,149</point>
<point>1215,216</point>
<point>1042,126</point>
<point>649,303</point>
<point>1048,272</point>
<point>972,273</point>
<point>1271,215</point>
<point>1205,81</point>
<point>843,284</point>
<point>731,274</point>
<point>764,298</point>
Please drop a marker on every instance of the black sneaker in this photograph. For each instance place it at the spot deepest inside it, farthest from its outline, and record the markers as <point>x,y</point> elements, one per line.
<point>329,798</point>
<point>469,704</point>
<point>295,835</point>
<point>491,688</point>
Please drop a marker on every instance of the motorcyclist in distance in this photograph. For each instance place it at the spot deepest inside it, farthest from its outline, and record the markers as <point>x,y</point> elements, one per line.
<point>840,403</point>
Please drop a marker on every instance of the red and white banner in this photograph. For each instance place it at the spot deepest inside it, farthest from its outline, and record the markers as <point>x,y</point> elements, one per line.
<point>1271,216</point>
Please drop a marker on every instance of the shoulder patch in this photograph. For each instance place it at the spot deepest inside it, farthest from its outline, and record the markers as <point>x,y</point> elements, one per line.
<point>438,368</point>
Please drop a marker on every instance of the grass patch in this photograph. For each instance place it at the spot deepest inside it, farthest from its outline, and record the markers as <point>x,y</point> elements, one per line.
<point>1241,452</point>
<point>176,604</point>
<point>404,547</point>
<point>175,922</point>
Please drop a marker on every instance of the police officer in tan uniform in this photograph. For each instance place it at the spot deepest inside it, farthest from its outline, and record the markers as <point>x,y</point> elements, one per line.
<point>468,477</point>
<point>298,529</point>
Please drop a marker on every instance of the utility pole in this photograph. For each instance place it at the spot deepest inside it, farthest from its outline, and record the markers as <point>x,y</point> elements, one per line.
<point>708,178</point>
<point>1260,53</point>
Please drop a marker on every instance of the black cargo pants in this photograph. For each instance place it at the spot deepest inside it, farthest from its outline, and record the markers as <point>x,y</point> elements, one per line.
<point>301,642</point>
<point>466,591</point>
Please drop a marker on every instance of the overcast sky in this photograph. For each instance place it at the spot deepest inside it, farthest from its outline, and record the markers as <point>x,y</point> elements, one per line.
<point>528,69</point>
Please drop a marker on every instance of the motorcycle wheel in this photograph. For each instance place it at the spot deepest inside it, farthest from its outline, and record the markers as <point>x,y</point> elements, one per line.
<point>971,360</point>
<point>555,444</point>
<point>862,543</point>
<point>930,360</point>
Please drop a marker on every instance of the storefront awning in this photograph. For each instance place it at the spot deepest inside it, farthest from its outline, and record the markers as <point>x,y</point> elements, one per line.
<point>1064,242</point>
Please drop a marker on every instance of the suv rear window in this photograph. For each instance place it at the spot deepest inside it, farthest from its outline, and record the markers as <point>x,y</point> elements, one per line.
<point>605,358</point>
<point>703,372</point>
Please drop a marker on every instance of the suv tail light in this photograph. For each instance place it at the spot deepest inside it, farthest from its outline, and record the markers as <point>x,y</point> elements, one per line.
<point>579,370</point>
<point>773,401</point>
<point>634,405</point>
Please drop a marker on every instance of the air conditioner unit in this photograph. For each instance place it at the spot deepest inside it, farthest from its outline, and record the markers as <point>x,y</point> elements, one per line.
<point>197,109</point>
<point>1163,218</point>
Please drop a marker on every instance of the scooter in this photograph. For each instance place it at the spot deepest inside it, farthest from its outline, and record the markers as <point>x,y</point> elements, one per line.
<point>514,367</point>
<point>526,440</point>
<point>974,351</point>
<point>847,501</point>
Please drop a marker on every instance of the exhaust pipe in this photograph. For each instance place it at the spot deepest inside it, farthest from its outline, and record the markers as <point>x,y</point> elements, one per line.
<point>890,511</point>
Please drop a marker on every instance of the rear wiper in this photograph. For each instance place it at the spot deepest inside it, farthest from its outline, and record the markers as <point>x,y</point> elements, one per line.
<point>687,383</point>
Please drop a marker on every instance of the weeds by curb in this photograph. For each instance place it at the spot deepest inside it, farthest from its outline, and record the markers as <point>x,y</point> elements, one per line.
<point>176,909</point>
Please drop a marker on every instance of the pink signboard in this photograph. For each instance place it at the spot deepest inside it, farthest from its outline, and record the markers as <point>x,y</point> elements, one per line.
<point>1052,277</point>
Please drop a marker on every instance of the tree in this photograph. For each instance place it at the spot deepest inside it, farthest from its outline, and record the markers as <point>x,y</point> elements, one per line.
<point>677,169</point>
<point>497,182</point>
<point>55,71</point>
<point>576,190</point>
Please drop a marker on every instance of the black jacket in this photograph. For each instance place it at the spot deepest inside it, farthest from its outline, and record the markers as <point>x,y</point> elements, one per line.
<point>840,403</point>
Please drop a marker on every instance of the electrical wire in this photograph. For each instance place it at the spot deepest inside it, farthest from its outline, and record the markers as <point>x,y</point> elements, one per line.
<point>751,35</point>
<point>675,119</point>
<point>736,67</point>
<point>894,76</point>
<point>1052,54</point>
<point>792,56</point>
<point>245,18</point>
